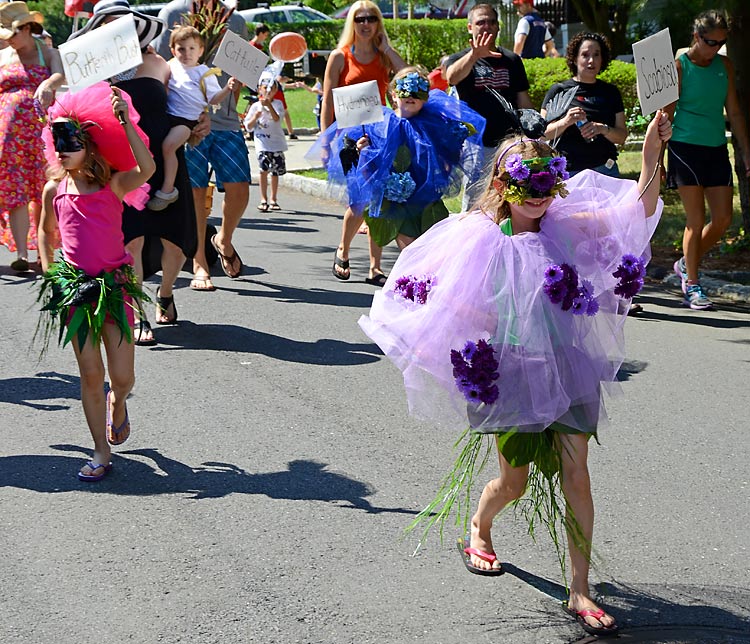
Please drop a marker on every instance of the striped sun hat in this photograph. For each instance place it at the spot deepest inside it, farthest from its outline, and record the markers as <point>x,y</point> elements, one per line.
<point>146,26</point>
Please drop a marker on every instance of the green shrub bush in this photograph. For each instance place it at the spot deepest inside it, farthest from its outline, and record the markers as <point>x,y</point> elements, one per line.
<point>420,42</point>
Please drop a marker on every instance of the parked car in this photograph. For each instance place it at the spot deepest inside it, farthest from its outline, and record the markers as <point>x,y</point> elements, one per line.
<point>459,10</point>
<point>283,13</point>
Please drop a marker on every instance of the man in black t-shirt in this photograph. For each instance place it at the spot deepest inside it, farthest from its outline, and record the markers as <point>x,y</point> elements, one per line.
<point>481,71</point>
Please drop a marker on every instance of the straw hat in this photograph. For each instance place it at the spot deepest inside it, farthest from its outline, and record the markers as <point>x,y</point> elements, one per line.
<point>146,26</point>
<point>16,14</point>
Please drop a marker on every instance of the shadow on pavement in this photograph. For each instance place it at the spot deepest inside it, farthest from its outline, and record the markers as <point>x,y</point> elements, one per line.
<point>303,480</point>
<point>293,295</point>
<point>238,339</point>
<point>646,608</point>
<point>42,386</point>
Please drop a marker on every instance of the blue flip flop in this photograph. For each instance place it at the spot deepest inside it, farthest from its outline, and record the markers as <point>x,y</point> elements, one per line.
<point>93,478</point>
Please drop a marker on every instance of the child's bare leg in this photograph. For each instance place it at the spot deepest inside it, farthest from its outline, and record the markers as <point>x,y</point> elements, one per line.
<point>508,487</point>
<point>263,187</point>
<point>175,139</point>
<point>91,368</point>
<point>121,368</point>
<point>576,486</point>
<point>274,187</point>
<point>402,241</point>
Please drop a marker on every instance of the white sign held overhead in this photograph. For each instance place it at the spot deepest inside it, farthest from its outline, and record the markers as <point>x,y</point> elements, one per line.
<point>656,72</point>
<point>240,59</point>
<point>357,104</point>
<point>101,53</point>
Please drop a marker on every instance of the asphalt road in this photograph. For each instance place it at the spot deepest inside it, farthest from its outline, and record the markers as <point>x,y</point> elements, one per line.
<point>272,469</point>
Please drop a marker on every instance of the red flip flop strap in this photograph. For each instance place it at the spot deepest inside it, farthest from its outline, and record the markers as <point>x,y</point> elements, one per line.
<point>587,612</point>
<point>487,556</point>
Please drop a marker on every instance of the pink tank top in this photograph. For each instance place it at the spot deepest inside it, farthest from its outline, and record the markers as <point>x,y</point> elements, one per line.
<point>91,229</point>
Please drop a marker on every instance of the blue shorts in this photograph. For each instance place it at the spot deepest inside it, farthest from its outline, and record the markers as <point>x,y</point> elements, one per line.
<point>226,151</point>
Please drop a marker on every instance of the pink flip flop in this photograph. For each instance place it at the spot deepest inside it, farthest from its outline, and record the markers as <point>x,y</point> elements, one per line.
<point>490,557</point>
<point>597,614</point>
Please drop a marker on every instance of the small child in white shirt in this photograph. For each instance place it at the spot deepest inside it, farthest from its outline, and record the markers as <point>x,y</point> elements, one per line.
<point>192,87</point>
<point>264,117</point>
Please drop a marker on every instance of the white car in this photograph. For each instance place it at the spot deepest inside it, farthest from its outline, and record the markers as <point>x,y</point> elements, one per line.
<point>283,13</point>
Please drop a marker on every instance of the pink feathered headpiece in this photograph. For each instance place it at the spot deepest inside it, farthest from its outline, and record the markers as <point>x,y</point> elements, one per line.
<point>94,105</point>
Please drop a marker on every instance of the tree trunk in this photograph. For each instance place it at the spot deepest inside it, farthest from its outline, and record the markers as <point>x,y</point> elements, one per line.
<point>595,15</point>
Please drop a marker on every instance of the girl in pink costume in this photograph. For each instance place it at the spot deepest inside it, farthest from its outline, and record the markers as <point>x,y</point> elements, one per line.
<point>509,321</point>
<point>92,289</point>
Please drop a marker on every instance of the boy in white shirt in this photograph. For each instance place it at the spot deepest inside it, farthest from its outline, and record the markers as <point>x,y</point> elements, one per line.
<point>264,117</point>
<point>192,87</point>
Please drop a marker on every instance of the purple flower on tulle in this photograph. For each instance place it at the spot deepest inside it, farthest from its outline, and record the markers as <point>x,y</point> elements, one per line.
<point>629,289</point>
<point>516,169</point>
<point>561,287</point>
<point>556,291</point>
<point>630,273</point>
<point>558,164</point>
<point>543,181</point>
<point>565,175</point>
<point>413,288</point>
<point>475,372</point>
<point>553,274</point>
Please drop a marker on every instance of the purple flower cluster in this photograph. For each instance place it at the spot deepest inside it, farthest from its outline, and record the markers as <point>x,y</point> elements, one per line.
<point>630,274</point>
<point>475,371</point>
<point>414,288</point>
<point>561,287</point>
<point>516,169</point>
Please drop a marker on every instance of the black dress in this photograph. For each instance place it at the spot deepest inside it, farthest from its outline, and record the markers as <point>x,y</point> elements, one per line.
<point>176,223</point>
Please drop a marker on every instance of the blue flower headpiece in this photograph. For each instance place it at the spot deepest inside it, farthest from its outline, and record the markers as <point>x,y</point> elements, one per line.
<point>536,178</point>
<point>413,85</point>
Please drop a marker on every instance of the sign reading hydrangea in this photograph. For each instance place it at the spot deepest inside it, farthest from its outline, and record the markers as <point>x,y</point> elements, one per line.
<point>561,287</point>
<point>399,187</point>
<point>475,372</point>
<point>414,288</point>
<point>630,273</point>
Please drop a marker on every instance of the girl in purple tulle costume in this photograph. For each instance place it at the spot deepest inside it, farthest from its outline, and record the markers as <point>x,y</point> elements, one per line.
<point>509,321</point>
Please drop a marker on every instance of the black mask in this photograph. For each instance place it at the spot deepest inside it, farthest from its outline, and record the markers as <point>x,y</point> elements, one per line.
<point>67,136</point>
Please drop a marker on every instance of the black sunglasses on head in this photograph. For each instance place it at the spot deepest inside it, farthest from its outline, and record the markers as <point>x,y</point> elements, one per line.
<point>363,19</point>
<point>714,43</point>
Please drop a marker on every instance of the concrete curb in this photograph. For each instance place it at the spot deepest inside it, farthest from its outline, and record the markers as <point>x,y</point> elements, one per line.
<point>725,285</point>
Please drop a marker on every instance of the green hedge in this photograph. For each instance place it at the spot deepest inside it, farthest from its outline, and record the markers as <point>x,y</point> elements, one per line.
<point>420,42</point>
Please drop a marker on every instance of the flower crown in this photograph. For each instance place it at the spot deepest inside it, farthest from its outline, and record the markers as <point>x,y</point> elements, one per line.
<point>536,178</point>
<point>413,85</point>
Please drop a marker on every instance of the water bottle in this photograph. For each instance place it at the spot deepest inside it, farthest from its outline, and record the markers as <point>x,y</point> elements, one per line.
<point>580,124</point>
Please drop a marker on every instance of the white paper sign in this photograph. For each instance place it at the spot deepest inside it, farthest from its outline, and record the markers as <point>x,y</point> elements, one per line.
<point>357,104</point>
<point>656,72</point>
<point>240,59</point>
<point>101,53</point>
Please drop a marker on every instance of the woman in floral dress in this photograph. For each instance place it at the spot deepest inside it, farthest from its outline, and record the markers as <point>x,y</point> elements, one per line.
<point>29,74</point>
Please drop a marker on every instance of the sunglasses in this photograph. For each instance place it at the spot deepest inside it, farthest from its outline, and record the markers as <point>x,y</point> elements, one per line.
<point>67,137</point>
<point>714,43</point>
<point>362,19</point>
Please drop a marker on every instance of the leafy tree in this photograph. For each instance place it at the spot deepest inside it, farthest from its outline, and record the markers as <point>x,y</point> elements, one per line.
<point>610,17</point>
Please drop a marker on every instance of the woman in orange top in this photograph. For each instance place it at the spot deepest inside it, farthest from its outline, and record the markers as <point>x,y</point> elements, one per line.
<point>363,54</point>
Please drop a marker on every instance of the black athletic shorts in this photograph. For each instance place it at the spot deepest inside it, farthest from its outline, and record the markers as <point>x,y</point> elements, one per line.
<point>698,165</point>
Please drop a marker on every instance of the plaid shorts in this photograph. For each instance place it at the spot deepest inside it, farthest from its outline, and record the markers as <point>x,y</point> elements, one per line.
<point>226,151</point>
<point>273,162</point>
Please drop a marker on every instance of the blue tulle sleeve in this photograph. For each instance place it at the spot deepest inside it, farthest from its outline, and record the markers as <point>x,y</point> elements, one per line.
<point>410,163</point>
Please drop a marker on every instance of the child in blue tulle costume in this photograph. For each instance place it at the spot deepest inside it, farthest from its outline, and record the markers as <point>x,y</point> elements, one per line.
<point>408,162</point>
<point>509,321</point>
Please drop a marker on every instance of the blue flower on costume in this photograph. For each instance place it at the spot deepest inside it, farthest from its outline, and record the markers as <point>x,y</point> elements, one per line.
<point>399,187</point>
<point>413,85</point>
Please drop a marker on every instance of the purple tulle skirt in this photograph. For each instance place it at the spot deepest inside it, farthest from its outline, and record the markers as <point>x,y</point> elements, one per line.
<point>552,364</point>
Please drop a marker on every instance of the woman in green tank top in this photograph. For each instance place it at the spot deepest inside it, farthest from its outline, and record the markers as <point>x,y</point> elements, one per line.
<point>699,164</point>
